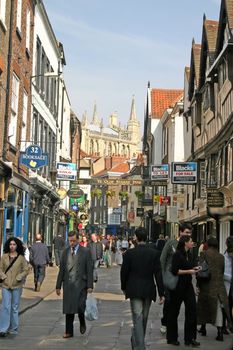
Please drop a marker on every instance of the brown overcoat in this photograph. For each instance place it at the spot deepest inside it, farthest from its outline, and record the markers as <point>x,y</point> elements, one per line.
<point>212,290</point>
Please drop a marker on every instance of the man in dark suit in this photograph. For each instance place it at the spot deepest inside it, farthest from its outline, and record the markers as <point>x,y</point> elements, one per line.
<point>39,259</point>
<point>76,276</point>
<point>140,269</point>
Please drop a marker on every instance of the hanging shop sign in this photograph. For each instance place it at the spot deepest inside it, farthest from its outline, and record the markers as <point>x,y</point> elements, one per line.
<point>62,193</point>
<point>117,211</point>
<point>184,173</point>
<point>74,207</point>
<point>165,200</point>
<point>131,215</point>
<point>66,171</point>
<point>75,193</point>
<point>33,157</point>
<point>160,172</point>
<point>140,212</point>
<point>215,198</point>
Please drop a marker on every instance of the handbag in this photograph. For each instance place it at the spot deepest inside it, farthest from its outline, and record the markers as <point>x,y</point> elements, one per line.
<point>204,273</point>
<point>169,279</point>
<point>8,268</point>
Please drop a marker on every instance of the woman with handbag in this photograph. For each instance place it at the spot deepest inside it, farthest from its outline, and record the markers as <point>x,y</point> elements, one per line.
<point>184,292</point>
<point>13,270</point>
<point>212,301</point>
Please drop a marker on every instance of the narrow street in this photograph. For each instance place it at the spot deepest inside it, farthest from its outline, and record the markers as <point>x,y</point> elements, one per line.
<point>42,326</point>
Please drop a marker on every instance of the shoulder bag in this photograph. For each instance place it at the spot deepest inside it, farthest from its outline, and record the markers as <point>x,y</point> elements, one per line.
<point>204,273</point>
<point>8,268</point>
<point>169,279</point>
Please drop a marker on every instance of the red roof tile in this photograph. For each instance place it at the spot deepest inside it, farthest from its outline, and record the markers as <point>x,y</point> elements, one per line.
<point>120,168</point>
<point>161,99</point>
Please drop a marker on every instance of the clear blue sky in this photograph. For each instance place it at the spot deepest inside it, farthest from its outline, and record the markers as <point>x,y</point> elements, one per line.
<point>113,48</point>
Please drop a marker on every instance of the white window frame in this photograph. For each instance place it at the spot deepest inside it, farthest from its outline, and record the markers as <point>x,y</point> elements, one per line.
<point>28,19</point>
<point>19,15</point>
<point>3,11</point>
<point>12,132</point>
<point>24,122</point>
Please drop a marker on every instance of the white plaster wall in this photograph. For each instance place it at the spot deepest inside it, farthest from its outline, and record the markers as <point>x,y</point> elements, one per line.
<point>65,147</point>
<point>156,131</point>
<point>43,31</point>
<point>179,139</point>
<point>187,126</point>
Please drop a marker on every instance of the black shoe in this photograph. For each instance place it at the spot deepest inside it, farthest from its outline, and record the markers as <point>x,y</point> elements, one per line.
<point>219,337</point>
<point>2,334</point>
<point>174,342</point>
<point>83,327</point>
<point>202,331</point>
<point>225,331</point>
<point>192,343</point>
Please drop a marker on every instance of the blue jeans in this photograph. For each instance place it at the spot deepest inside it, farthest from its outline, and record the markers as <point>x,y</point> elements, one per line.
<point>9,314</point>
<point>140,310</point>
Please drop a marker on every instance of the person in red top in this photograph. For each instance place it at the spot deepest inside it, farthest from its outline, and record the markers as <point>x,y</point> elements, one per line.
<point>84,241</point>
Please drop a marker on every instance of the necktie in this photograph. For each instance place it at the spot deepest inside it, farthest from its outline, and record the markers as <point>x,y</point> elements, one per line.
<point>73,251</point>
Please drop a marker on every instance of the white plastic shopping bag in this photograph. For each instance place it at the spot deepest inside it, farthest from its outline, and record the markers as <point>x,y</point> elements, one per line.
<point>91,312</point>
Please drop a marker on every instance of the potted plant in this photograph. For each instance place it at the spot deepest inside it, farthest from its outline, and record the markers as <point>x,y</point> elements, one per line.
<point>139,194</point>
<point>123,195</point>
<point>110,193</point>
<point>96,192</point>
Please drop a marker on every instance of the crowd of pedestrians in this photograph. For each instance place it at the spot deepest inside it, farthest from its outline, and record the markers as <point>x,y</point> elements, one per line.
<point>144,266</point>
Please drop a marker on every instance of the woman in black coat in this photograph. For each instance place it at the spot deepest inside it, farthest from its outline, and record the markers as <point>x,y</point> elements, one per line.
<point>184,292</point>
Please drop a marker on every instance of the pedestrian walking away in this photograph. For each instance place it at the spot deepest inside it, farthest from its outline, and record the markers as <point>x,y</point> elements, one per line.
<point>59,245</point>
<point>13,271</point>
<point>76,278</point>
<point>139,271</point>
<point>96,249</point>
<point>39,258</point>
<point>213,303</point>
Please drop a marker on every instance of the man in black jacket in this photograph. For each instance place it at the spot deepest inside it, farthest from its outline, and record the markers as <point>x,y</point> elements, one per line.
<point>140,268</point>
<point>96,249</point>
<point>39,258</point>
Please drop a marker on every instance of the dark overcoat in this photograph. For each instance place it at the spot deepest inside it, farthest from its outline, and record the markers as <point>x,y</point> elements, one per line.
<point>139,270</point>
<point>212,290</point>
<point>76,276</point>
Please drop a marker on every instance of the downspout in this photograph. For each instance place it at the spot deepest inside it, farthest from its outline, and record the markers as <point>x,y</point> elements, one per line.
<point>6,119</point>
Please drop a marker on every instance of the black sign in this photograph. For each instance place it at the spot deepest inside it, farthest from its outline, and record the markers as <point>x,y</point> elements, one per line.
<point>140,211</point>
<point>75,193</point>
<point>215,198</point>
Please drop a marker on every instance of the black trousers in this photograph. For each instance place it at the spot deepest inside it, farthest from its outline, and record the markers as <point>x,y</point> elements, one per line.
<point>165,307</point>
<point>187,296</point>
<point>70,322</point>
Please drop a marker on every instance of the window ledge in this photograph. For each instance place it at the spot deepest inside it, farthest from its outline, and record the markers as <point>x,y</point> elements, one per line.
<point>27,53</point>
<point>12,148</point>
<point>3,26</point>
<point>18,32</point>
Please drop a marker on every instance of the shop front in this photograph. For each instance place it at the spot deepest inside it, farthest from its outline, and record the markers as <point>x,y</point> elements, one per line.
<point>5,175</point>
<point>16,209</point>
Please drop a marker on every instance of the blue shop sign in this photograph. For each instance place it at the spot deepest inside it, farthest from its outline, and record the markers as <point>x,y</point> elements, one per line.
<point>184,173</point>
<point>34,157</point>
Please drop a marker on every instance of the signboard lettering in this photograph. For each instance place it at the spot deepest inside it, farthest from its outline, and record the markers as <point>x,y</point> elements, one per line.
<point>160,172</point>
<point>66,171</point>
<point>33,157</point>
<point>184,173</point>
<point>118,182</point>
<point>215,198</point>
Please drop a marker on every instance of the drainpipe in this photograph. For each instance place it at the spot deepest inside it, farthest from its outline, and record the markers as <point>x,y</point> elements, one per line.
<point>6,119</point>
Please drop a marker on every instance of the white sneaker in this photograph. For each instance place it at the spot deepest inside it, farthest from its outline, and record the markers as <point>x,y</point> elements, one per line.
<point>163,329</point>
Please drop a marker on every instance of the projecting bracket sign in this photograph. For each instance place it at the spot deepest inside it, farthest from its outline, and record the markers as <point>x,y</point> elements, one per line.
<point>33,157</point>
<point>118,182</point>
